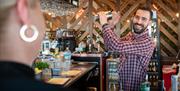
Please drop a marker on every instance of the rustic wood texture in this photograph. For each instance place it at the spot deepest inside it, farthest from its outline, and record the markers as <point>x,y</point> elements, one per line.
<point>174,40</point>
<point>179,24</point>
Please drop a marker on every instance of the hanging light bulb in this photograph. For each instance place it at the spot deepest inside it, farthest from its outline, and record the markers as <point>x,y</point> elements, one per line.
<point>49,13</point>
<point>177,15</point>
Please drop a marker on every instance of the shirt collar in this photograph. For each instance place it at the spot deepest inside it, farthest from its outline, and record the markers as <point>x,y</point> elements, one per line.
<point>141,35</point>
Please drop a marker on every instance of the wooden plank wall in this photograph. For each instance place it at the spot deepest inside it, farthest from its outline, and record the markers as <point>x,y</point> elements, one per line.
<point>166,10</point>
<point>179,25</point>
<point>168,27</point>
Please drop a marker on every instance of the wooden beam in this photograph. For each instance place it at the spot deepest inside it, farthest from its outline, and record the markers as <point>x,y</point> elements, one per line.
<point>117,5</point>
<point>163,53</point>
<point>97,34</point>
<point>109,3</point>
<point>174,40</point>
<point>125,27</point>
<point>148,3</point>
<point>117,32</point>
<point>91,19</point>
<point>81,23</point>
<point>124,17</point>
<point>173,5</point>
<point>179,23</point>
<point>78,20</point>
<point>99,4</point>
<point>84,24</point>
<point>173,27</point>
<point>124,5</point>
<point>64,22</point>
<point>95,5</point>
<point>168,47</point>
<point>80,7</point>
<point>83,35</point>
<point>165,8</point>
<point>175,1</point>
<point>82,27</point>
<point>94,10</point>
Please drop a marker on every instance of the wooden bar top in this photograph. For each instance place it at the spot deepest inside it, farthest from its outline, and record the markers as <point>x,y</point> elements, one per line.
<point>78,69</point>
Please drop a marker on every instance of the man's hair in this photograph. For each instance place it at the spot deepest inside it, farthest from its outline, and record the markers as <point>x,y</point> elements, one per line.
<point>146,9</point>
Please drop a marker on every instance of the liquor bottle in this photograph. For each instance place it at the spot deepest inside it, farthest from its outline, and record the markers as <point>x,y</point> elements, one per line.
<point>67,59</point>
<point>145,86</point>
<point>163,87</point>
<point>113,87</point>
<point>179,69</point>
<point>46,45</point>
<point>121,87</point>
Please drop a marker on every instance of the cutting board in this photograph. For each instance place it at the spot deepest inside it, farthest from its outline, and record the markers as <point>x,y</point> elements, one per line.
<point>59,81</point>
<point>71,73</point>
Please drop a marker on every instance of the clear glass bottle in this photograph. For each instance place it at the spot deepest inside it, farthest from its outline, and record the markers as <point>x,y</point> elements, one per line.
<point>46,45</point>
<point>120,87</point>
<point>145,86</point>
<point>163,87</point>
<point>67,59</point>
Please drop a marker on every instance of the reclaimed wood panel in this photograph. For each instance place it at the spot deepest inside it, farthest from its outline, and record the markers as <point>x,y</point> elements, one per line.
<point>163,30</point>
<point>130,11</point>
<point>83,36</point>
<point>169,11</point>
<point>179,25</point>
<point>125,27</point>
<point>124,5</point>
<point>77,10</point>
<point>84,24</point>
<point>100,6</point>
<point>97,34</point>
<point>168,46</point>
<point>173,27</point>
<point>110,4</point>
<point>163,53</point>
<point>78,19</point>
<point>90,18</point>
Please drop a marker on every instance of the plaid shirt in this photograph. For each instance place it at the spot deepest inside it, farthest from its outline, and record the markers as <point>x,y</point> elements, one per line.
<point>135,53</point>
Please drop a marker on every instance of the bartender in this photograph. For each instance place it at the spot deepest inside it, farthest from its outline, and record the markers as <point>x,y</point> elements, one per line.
<point>135,49</point>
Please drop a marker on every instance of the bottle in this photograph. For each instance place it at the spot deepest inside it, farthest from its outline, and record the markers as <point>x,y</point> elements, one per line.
<point>145,86</point>
<point>120,87</point>
<point>46,45</point>
<point>163,87</point>
<point>179,69</point>
<point>67,59</point>
<point>56,52</point>
<point>57,66</point>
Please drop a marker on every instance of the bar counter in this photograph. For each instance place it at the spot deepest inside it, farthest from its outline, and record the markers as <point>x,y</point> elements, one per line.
<point>98,79</point>
<point>76,72</point>
<point>84,67</point>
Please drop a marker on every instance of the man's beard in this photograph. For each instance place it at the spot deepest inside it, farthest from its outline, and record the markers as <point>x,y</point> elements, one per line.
<point>138,31</point>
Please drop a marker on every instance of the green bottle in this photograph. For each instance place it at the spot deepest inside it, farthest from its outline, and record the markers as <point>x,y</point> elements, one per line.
<point>145,86</point>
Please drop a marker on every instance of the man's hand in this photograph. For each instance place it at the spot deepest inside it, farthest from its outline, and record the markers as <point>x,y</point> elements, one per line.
<point>102,18</point>
<point>115,18</point>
